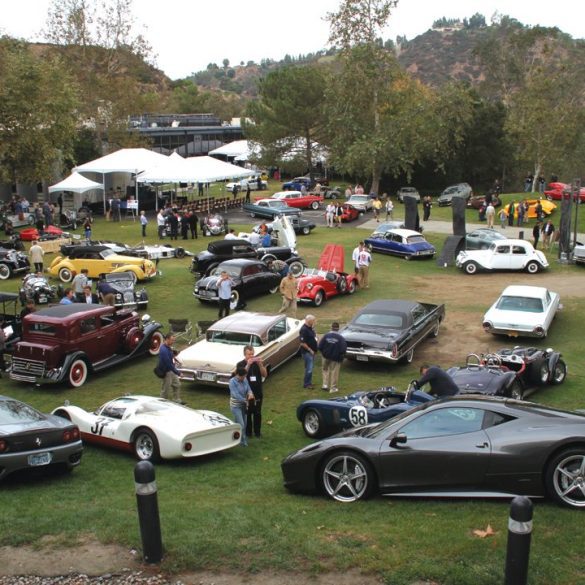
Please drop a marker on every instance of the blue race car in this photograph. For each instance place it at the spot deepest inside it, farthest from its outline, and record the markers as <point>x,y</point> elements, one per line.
<point>401,242</point>
<point>329,416</point>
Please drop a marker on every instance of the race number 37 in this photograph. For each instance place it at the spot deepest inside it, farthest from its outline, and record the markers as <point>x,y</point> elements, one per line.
<point>358,416</point>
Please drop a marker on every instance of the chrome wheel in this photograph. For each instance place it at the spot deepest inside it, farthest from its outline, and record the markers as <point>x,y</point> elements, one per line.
<point>146,446</point>
<point>532,267</point>
<point>5,271</point>
<point>312,423</point>
<point>234,300</point>
<point>470,268</point>
<point>346,477</point>
<point>296,268</point>
<point>559,373</point>
<point>319,298</point>
<point>567,478</point>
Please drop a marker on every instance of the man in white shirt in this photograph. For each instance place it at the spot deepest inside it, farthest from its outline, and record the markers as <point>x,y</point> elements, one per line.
<point>231,235</point>
<point>355,256</point>
<point>364,261</point>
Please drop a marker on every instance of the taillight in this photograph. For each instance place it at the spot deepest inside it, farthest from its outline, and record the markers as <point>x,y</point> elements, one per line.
<point>188,446</point>
<point>67,436</point>
<point>236,436</point>
<point>3,446</point>
<point>71,434</point>
<point>539,331</point>
<point>487,326</point>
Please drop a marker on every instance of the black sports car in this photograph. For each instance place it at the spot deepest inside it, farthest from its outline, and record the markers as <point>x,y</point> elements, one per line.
<point>250,278</point>
<point>31,439</point>
<point>12,262</point>
<point>222,250</point>
<point>455,447</point>
<point>510,372</point>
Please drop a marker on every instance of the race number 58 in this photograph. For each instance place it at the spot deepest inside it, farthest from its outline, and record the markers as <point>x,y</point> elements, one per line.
<point>358,416</point>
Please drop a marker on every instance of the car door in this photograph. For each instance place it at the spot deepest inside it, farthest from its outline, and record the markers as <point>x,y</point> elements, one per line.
<point>518,257</point>
<point>89,340</point>
<point>445,446</point>
<point>421,325</point>
<point>277,345</point>
<point>500,259</point>
<point>251,281</point>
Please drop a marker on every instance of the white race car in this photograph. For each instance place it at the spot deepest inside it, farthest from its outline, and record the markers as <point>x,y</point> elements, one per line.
<point>154,428</point>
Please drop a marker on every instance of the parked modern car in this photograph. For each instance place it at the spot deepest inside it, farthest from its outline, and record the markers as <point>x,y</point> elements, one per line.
<point>299,200</point>
<point>522,310</point>
<point>243,185</point>
<point>329,279</point>
<point>297,183</point>
<point>389,330</point>
<point>275,339</point>
<point>222,250</point>
<point>503,255</point>
<point>269,208</point>
<point>99,260</point>
<point>153,428</point>
<point>460,190</point>
<point>461,446</point>
<point>482,238</point>
<point>12,262</point>
<point>555,191</point>
<point>362,203</point>
<point>547,208</point>
<point>67,343</point>
<point>410,191</point>
<point>407,244</point>
<point>250,278</point>
<point>30,439</point>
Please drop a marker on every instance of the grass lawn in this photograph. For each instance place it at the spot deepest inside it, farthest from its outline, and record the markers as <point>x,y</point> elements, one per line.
<point>234,502</point>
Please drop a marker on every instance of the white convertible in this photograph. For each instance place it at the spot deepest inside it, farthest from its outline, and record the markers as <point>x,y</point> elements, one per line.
<point>275,339</point>
<point>522,310</point>
<point>503,255</point>
<point>153,428</point>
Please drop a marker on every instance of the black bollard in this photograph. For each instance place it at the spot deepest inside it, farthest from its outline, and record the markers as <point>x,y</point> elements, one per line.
<point>519,536</point>
<point>148,517</point>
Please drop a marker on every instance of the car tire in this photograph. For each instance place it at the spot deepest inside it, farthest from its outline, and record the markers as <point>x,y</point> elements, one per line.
<point>516,391</point>
<point>562,471</point>
<point>155,343</point>
<point>315,205</point>
<point>65,275</point>
<point>252,214</point>
<point>532,267</point>
<point>267,258</point>
<point>470,268</point>
<point>435,329</point>
<point>319,298</point>
<point>341,284</point>
<point>5,271</point>
<point>312,423</point>
<point>180,253</point>
<point>132,339</point>
<point>333,196</point>
<point>296,267</point>
<point>543,373</point>
<point>31,220</point>
<point>273,290</point>
<point>347,477</point>
<point>234,300</point>
<point>408,356</point>
<point>559,373</point>
<point>351,287</point>
<point>306,231</point>
<point>77,374</point>
<point>145,445</point>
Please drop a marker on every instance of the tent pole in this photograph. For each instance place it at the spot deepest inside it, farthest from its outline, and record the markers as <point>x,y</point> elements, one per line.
<point>136,191</point>
<point>104,184</point>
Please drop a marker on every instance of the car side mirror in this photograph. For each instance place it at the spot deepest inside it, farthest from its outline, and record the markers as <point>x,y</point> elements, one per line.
<point>398,439</point>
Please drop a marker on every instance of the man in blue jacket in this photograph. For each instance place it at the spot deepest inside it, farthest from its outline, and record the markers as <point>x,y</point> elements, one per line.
<point>166,364</point>
<point>332,347</point>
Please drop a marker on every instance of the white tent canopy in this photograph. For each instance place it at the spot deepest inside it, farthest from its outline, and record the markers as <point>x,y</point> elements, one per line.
<point>125,160</point>
<point>76,184</point>
<point>239,149</point>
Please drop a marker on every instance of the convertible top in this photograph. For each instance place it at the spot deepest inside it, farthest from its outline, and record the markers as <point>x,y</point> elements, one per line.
<point>225,246</point>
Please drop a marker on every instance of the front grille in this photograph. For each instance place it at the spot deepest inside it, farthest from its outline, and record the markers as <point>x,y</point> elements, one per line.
<point>28,367</point>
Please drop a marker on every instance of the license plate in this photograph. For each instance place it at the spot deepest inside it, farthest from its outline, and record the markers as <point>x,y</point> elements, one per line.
<point>512,333</point>
<point>39,459</point>
<point>42,299</point>
<point>206,294</point>
<point>207,376</point>
<point>361,358</point>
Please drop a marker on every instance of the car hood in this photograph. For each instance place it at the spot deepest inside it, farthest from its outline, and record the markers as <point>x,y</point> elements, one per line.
<point>480,381</point>
<point>370,335</point>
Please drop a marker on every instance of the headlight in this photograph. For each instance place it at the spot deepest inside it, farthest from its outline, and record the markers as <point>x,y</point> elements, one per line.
<point>196,290</point>
<point>309,286</point>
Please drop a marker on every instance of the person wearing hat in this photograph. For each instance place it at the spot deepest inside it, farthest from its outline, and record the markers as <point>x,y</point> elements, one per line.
<point>332,347</point>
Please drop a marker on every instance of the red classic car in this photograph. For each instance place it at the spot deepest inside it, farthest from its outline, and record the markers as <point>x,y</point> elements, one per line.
<point>349,212</point>
<point>299,200</point>
<point>555,191</point>
<point>31,233</point>
<point>318,284</point>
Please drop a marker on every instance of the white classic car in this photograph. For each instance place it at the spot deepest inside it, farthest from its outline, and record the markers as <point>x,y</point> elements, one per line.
<point>361,202</point>
<point>579,253</point>
<point>243,185</point>
<point>522,310</point>
<point>153,428</point>
<point>211,361</point>
<point>503,255</point>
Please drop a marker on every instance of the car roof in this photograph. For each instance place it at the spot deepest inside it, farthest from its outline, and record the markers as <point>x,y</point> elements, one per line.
<point>404,232</point>
<point>222,246</point>
<point>83,248</point>
<point>246,322</point>
<point>59,312</point>
<point>512,241</point>
<point>516,290</point>
<point>240,262</point>
<point>389,305</point>
<point>286,193</point>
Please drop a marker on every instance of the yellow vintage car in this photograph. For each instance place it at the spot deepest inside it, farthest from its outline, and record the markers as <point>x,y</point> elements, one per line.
<point>547,207</point>
<point>99,260</point>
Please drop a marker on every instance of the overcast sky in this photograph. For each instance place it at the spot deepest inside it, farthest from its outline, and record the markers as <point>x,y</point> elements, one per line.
<point>186,35</point>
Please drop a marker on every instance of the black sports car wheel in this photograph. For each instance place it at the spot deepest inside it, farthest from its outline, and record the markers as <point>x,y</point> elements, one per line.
<point>470,267</point>
<point>532,267</point>
<point>312,423</point>
<point>565,477</point>
<point>516,391</point>
<point>296,267</point>
<point>319,298</point>
<point>146,446</point>
<point>543,373</point>
<point>347,477</point>
<point>558,375</point>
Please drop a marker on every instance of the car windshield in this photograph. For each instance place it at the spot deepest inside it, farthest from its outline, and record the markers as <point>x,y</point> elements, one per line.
<point>106,253</point>
<point>415,239</point>
<point>233,271</point>
<point>524,304</point>
<point>233,338</point>
<point>358,198</point>
<point>12,411</point>
<point>388,320</point>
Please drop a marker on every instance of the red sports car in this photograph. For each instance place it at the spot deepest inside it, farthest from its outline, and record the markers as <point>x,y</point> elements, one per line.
<point>349,212</point>
<point>29,234</point>
<point>555,191</point>
<point>318,284</point>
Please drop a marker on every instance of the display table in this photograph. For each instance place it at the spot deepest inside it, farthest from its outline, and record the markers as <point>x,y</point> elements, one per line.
<point>51,246</point>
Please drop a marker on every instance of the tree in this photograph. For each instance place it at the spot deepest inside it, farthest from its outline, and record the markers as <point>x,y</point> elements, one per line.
<point>38,101</point>
<point>289,110</point>
<point>226,63</point>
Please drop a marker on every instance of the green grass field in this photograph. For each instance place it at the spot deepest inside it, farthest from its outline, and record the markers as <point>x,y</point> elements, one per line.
<point>235,502</point>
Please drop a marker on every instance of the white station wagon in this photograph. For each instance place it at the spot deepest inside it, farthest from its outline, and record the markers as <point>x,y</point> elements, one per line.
<point>503,255</point>
<point>522,310</point>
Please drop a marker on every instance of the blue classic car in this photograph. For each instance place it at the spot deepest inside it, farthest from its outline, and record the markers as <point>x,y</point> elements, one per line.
<point>326,417</point>
<point>401,242</point>
<point>269,208</point>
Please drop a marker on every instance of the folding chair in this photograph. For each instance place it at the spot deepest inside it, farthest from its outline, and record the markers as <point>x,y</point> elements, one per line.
<point>182,330</point>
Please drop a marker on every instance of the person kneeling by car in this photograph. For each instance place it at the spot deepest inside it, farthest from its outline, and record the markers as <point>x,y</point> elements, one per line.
<point>278,266</point>
<point>441,383</point>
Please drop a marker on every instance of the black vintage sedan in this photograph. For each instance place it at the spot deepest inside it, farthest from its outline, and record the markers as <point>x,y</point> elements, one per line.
<point>30,439</point>
<point>455,447</point>
<point>389,330</point>
<point>250,278</point>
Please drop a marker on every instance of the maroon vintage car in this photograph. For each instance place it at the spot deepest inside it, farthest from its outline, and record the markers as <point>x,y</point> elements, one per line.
<point>318,284</point>
<point>65,343</point>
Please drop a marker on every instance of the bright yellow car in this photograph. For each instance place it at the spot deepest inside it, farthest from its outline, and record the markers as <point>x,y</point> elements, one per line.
<point>99,260</point>
<point>547,208</point>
